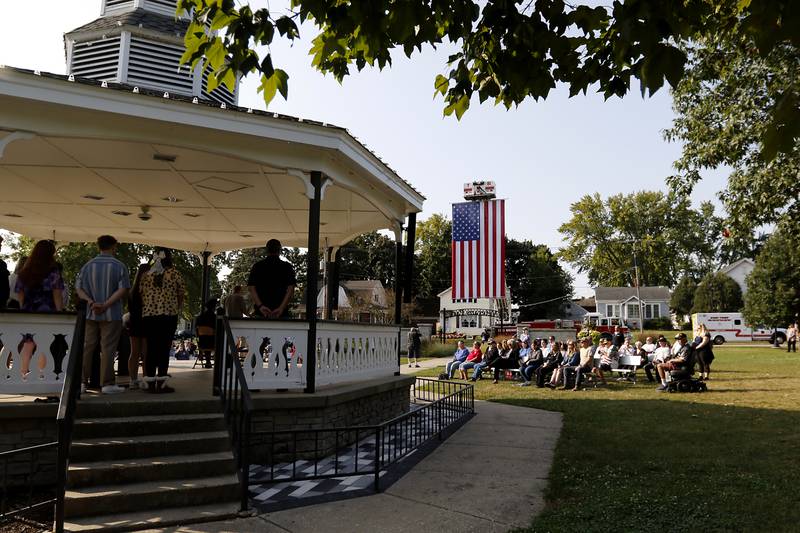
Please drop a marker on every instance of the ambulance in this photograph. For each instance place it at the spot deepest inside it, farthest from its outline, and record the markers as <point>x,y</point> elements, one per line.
<point>731,327</point>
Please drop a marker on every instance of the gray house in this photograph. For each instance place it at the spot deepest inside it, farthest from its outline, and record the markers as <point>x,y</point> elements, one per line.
<point>622,302</point>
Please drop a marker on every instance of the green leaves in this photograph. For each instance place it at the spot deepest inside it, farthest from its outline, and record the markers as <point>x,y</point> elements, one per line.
<point>278,82</point>
<point>507,51</point>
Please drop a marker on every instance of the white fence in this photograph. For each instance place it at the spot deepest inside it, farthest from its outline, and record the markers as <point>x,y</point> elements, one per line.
<point>355,352</point>
<point>274,352</point>
<point>35,352</point>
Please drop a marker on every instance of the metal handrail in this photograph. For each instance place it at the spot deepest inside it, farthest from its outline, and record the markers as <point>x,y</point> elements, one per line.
<point>236,400</point>
<point>65,419</point>
<point>428,422</point>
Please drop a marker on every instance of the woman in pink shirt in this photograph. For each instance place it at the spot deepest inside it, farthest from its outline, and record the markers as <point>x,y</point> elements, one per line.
<point>473,358</point>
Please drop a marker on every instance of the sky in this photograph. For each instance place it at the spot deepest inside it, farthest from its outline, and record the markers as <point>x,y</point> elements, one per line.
<point>542,155</point>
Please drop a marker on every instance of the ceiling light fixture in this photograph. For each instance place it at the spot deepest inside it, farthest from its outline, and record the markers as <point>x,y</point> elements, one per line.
<point>172,199</point>
<point>169,158</point>
<point>192,215</point>
<point>12,215</point>
<point>93,197</point>
<point>121,213</point>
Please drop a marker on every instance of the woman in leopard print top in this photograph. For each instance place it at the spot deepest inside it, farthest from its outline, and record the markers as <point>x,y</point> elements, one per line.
<point>162,300</point>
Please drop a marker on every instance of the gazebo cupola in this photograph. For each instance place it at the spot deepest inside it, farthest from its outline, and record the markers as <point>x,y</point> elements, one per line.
<point>139,43</point>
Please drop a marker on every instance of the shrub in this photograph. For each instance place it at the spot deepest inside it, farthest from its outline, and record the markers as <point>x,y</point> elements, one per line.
<point>658,323</point>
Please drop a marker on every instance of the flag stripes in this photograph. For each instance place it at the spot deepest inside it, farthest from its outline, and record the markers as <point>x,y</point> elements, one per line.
<point>478,250</point>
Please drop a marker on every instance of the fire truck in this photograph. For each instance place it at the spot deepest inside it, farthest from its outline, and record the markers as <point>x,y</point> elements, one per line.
<point>604,324</point>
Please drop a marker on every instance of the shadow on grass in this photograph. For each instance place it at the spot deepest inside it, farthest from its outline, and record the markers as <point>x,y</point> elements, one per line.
<point>654,465</point>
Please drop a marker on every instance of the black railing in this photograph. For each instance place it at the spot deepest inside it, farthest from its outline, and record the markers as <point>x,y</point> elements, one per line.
<point>65,420</point>
<point>305,454</point>
<point>236,402</point>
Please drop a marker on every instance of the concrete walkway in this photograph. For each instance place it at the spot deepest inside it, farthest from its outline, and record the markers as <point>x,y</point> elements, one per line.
<point>425,364</point>
<point>488,476</point>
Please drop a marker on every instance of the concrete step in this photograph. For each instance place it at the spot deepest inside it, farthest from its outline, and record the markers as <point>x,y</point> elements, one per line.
<point>113,499</point>
<point>163,518</point>
<point>140,470</point>
<point>142,404</point>
<point>147,425</point>
<point>114,448</point>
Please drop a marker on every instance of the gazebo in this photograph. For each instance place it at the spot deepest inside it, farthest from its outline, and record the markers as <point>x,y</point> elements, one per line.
<point>130,143</point>
<point>82,157</point>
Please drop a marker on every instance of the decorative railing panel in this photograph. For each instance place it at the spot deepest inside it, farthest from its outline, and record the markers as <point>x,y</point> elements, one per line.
<point>34,351</point>
<point>272,352</point>
<point>355,352</point>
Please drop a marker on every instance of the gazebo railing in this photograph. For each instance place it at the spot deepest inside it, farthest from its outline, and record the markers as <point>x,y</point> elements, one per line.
<point>273,352</point>
<point>40,340</point>
<point>354,352</point>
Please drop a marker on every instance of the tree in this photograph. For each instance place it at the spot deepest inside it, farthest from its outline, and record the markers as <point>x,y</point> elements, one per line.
<point>773,287</point>
<point>533,275</point>
<point>717,293</point>
<point>667,235</point>
<point>368,256</point>
<point>723,107</point>
<point>682,300</point>
<point>506,51</point>
<point>434,252</point>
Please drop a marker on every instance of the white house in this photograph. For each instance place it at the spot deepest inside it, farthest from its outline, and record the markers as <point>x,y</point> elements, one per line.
<point>471,316</point>
<point>359,297</point>
<point>739,272</point>
<point>622,302</point>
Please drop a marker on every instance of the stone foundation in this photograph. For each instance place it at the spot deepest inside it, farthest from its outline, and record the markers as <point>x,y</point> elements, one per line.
<point>21,426</point>
<point>362,404</point>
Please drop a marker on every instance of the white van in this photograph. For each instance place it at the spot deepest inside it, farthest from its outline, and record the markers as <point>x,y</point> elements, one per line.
<point>731,327</point>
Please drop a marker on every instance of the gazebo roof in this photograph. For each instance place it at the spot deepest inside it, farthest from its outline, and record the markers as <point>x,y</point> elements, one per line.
<point>79,158</point>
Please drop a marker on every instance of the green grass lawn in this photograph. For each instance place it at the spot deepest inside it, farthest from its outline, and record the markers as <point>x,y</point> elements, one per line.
<point>632,459</point>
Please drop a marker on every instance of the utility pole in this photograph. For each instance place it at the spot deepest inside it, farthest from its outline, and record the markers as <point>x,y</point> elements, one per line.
<point>638,295</point>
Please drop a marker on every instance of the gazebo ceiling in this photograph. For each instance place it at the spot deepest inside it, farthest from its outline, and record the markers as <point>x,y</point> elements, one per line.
<point>77,161</point>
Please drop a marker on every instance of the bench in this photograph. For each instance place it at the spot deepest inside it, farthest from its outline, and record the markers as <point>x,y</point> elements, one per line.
<point>627,367</point>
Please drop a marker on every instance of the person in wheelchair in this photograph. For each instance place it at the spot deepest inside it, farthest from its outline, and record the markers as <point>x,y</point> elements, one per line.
<point>680,366</point>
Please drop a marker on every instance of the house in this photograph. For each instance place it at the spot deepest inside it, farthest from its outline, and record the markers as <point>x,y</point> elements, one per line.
<point>622,302</point>
<point>471,316</point>
<point>739,272</point>
<point>359,300</point>
<point>572,310</point>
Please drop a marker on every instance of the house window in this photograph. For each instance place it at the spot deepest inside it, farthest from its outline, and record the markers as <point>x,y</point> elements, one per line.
<point>633,310</point>
<point>612,310</point>
<point>652,311</point>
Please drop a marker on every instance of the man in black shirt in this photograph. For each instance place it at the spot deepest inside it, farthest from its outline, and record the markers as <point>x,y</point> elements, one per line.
<point>271,284</point>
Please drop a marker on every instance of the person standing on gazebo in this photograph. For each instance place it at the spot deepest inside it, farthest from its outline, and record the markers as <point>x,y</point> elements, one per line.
<point>103,283</point>
<point>235,306</point>
<point>162,300</point>
<point>5,287</point>
<point>271,283</point>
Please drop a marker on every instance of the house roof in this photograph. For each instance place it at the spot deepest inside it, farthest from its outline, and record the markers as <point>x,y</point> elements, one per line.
<point>618,294</point>
<point>733,266</point>
<point>363,285</point>
<point>139,18</point>
<point>583,302</point>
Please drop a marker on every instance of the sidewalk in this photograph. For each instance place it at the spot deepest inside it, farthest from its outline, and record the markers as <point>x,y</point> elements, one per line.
<point>490,475</point>
<point>425,364</point>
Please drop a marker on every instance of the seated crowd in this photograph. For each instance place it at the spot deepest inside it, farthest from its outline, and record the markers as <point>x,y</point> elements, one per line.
<point>565,365</point>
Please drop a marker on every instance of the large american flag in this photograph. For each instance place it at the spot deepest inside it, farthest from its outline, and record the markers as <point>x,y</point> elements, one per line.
<point>479,250</point>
